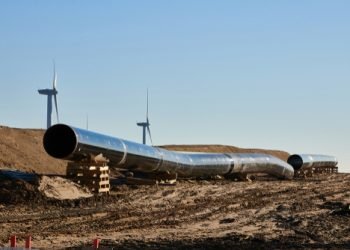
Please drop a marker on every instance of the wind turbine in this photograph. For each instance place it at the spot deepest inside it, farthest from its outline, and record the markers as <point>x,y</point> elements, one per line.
<point>51,92</point>
<point>145,125</point>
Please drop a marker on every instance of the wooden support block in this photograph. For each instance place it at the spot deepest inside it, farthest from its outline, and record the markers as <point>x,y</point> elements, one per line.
<point>96,178</point>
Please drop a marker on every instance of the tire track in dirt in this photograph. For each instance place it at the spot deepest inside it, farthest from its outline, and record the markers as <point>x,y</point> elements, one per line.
<point>300,211</point>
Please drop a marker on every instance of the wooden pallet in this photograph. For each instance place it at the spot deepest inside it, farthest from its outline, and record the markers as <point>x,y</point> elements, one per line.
<point>326,170</point>
<point>96,178</point>
<point>316,170</point>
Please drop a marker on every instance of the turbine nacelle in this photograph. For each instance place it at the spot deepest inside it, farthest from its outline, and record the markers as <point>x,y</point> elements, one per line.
<point>48,91</point>
<point>141,124</point>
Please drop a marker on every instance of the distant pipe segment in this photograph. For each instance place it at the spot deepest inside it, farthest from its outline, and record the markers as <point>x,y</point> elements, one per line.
<point>66,142</point>
<point>305,161</point>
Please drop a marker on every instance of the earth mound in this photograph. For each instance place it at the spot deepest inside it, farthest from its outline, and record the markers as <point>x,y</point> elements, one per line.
<point>45,189</point>
<point>23,149</point>
<point>62,189</point>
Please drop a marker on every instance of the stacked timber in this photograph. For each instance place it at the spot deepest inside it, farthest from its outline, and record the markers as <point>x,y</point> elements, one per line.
<point>326,170</point>
<point>96,178</point>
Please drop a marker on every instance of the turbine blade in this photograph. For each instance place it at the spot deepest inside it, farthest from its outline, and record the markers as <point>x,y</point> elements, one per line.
<point>56,106</point>
<point>147,121</point>
<point>54,82</point>
<point>149,133</point>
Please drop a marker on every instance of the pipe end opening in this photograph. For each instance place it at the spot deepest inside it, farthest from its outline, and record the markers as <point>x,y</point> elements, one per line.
<point>60,141</point>
<point>296,161</point>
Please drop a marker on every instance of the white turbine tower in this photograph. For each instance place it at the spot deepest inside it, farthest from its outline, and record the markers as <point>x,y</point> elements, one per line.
<point>145,125</point>
<point>51,92</point>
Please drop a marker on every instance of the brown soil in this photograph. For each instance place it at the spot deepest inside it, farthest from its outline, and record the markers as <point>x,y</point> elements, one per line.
<point>308,213</point>
<point>312,213</point>
<point>23,149</point>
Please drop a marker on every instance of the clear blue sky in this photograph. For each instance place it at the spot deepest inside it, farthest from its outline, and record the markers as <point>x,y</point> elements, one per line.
<point>261,74</point>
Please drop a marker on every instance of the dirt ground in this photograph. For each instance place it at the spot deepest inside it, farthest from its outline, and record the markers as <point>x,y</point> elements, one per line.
<point>306,213</point>
<point>311,213</point>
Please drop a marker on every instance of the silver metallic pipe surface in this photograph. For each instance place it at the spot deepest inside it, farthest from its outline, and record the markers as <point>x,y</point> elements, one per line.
<point>70,143</point>
<point>304,161</point>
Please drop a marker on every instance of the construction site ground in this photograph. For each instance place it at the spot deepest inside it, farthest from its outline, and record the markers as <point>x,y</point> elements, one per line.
<point>305,213</point>
<point>200,214</point>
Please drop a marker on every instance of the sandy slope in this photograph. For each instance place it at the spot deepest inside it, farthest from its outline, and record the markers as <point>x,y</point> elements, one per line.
<point>22,149</point>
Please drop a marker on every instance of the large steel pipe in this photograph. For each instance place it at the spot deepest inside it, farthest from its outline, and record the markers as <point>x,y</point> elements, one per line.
<point>304,161</point>
<point>66,142</point>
